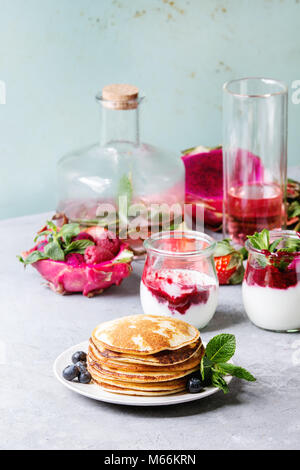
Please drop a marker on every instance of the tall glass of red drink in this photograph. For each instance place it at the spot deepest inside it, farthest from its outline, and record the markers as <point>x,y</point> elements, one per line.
<point>255,156</point>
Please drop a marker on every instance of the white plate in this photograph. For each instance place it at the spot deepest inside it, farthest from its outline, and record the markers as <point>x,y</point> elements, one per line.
<point>97,393</point>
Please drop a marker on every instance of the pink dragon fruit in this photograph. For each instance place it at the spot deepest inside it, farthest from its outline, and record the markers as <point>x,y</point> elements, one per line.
<point>74,259</point>
<point>108,241</point>
<point>204,180</point>
<point>95,254</point>
<point>72,274</point>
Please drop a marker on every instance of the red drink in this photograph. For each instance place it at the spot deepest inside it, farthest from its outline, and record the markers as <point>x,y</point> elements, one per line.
<point>253,207</point>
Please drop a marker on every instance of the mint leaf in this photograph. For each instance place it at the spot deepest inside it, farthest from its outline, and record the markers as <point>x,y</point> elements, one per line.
<point>214,366</point>
<point>224,248</point>
<point>275,244</point>
<point>33,257</point>
<point>219,382</point>
<point>243,252</point>
<point>262,261</point>
<point>294,209</point>
<point>292,245</point>
<point>236,371</point>
<point>52,225</point>
<point>260,241</point>
<point>68,231</point>
<point>124,257</point>
<point>78,246</point>
<point>42,234</point>
<point>221,348</point>
<point>206,371</point>
<point>125,188</point>
<point>54,251</point>
<point>265,238</point>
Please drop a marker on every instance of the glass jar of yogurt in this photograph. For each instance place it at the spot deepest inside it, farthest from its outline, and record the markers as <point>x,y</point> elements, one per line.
<point>271,286</point>
<point>179,277</point>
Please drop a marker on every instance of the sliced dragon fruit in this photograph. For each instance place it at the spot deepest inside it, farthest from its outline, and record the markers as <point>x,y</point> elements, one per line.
<point>204,182</point>
<point>75,275</point>
<point>204,179</point>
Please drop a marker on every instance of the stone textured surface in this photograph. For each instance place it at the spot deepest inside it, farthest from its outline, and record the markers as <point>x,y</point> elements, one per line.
<point>37,412</point>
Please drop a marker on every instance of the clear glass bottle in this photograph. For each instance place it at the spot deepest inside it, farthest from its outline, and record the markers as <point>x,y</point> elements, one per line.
<point>179,277</point>
<point>255,156</point>
<point>271,286</point>
<point>116,182</point>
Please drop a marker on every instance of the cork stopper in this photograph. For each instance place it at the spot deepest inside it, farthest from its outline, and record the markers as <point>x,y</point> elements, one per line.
<point>120,96</point>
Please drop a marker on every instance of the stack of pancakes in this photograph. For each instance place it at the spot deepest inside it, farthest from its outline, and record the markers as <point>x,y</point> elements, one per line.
<point>144,355</point>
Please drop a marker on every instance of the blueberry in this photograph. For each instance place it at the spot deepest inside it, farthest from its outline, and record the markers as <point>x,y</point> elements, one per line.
<point>84,377</point>
<point>79,356</point>
<point>70,372</point>
<point>81,366</point>
<point>194,385</point>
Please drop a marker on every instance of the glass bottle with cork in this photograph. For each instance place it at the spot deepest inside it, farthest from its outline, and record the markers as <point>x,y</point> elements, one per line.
<point>130,187</point>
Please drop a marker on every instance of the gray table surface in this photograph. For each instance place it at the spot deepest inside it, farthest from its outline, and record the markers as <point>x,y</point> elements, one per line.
<point>37,412</point>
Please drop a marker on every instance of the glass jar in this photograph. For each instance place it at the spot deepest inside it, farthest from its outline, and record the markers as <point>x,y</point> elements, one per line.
<point>271,286</point>
<point>179,277</point>
<point>121,183</point>
<point>255,156</point>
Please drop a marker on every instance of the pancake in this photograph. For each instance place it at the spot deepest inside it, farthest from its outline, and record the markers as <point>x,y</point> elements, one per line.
<point>144,334</point>
<point>150,386</point>
<point>191,362</point>
<point>131,376</point>
<point>144,355</point>
<point>162,358</point>
<point>121,391</point>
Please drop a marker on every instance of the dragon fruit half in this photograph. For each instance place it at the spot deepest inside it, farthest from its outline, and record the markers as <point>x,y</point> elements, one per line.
<point>204,179</point>
<point>69,272</point>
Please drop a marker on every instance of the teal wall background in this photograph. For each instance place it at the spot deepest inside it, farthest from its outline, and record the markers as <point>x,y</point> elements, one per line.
<point>56,54</point>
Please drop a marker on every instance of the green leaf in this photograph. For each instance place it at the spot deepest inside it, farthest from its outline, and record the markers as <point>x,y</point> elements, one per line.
<point>275,243</point>
<point>68,231</point>
<point>42,234</point>
<point>294,209</point>
<point>260,241</point>
<point>236,371</point>
<point>202,367</point>
<point>33,257</point>
<point>221,348</point>
<point>124,257</point>
<point>125,188</point>
<point>262,261</point>
<point>206,371</point>
<point>54,251</point>
<point>78,246</point>
<point>244,253</point>
<point>238,276</point>
<point>224,248</point>
<point>52,225</point>
<point>265,238</point>
<point>292,245</point>
<point>219,382</point>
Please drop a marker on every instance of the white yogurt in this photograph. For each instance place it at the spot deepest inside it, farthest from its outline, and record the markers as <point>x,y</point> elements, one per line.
<point>271,308</point>
<point>184,283</point>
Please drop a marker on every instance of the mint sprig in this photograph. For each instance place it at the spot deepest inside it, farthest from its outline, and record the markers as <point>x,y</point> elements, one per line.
<point>59,243</point>
<point>214,364</point>
<point>221,348</point>
<point>292,245</point>
<point>261,241</point>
